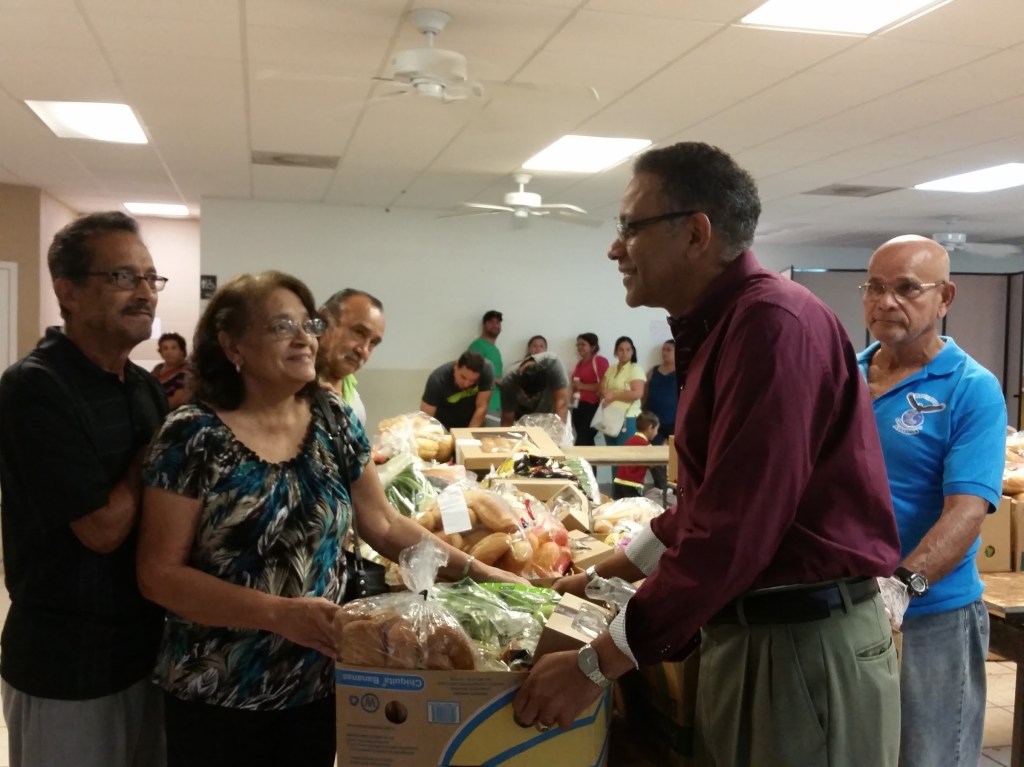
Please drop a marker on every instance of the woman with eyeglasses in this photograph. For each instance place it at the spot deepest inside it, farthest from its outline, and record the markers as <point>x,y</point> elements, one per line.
<point>245,507</point>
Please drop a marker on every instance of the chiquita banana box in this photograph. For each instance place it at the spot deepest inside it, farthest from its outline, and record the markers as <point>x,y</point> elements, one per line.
<point>454,719</point>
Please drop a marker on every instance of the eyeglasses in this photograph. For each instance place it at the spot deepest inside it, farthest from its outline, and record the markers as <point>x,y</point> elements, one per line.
<point>629,229</point>
<point>289,328</point>
<point>126,280</point>
<point>904,290</point>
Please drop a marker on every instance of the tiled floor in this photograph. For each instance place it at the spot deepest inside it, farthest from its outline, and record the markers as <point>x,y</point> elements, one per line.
<point>998,715</point>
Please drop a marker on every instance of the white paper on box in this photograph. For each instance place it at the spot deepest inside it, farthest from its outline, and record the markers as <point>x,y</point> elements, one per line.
<point>454,512</point>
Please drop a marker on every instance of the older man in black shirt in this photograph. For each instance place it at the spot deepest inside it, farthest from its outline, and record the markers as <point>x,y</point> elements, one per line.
<point>79,642</point>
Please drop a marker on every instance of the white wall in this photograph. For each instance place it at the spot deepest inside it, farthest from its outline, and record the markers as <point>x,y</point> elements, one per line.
<point>437,277</point>
<point>174,245</point>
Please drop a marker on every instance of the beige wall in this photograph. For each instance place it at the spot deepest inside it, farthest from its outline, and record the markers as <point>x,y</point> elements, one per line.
<point>28,221</point>
<point>19,242</point>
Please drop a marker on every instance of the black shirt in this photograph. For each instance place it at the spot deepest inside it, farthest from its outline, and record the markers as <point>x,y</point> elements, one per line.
<point>78,627</point>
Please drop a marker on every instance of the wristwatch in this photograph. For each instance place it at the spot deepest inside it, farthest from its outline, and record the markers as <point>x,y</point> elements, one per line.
<point>591,573</point>
<point>586,659</point>
<point>917,584</point>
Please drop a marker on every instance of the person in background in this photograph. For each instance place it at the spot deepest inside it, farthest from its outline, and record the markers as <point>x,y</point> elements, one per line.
<point>173,372</point>
<point>536,345</point>
<point>629,480</point>
<point>942,421</point>
<point>537,385</point>
<point>355,328</point>
<point>80,641</point>
<point>457,393</point>
<point>490,330</point>
<point>245,506</point>
<point>661,394</point>
<point>586,379</point>
<point>623,387</point>
<point>771,555</point>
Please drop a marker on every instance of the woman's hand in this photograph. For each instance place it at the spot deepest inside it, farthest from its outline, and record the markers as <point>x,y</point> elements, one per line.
<point>572,584</point>
<point>308,621</point>
<point>489,573</point>
<point>608,399</point>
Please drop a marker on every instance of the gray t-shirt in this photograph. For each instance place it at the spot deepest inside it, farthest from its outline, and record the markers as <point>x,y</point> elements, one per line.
<point>455,406</point>
<point>513,399</point>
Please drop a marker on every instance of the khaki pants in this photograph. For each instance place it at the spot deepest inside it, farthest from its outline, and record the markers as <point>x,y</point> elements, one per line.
<point>800,695</point>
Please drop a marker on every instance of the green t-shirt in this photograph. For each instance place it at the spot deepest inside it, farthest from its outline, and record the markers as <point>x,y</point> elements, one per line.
<point>492,355</point>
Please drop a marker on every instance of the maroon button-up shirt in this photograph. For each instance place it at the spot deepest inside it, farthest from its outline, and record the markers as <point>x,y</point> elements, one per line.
<point>781,474</point>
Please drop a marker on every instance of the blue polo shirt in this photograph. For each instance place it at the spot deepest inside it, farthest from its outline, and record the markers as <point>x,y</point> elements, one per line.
<point>943,432</point>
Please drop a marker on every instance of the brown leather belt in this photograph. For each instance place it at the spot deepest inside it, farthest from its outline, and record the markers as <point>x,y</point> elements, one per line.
<point>796,604</point>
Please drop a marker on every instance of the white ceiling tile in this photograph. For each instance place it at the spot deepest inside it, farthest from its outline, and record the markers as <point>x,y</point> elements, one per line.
<point>995,23</point>
<point>290,184</point>
<point>721,11</point>
<point>171,37</point>
<point>28,28</point>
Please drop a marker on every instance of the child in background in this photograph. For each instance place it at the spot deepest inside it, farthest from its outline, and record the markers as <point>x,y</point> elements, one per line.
<point>629,480</point>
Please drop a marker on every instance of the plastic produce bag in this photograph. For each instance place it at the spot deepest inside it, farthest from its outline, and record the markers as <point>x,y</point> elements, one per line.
<point>406,487</point>
<point>895,598</point>
<point>405,630</point>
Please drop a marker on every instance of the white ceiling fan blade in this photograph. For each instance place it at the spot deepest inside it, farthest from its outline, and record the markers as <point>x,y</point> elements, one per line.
<point>564,206</point>
<point>576,218</point>
<point>467,213</point>
<point>992,249</point>
<point>485,206</point>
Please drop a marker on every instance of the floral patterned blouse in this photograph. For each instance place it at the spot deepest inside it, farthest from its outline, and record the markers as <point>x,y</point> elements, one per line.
<point>276,527</point>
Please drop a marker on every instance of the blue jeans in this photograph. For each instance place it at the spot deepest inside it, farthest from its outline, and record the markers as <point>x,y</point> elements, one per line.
<point>943,687</point>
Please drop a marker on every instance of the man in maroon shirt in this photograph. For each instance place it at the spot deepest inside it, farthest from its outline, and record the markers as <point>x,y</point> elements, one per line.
<point>784,519</point>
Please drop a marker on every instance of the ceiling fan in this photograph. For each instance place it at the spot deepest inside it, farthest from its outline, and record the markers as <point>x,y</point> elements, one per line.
<point>522,204</point>
<point>956,242</point>
<point>428,71</point>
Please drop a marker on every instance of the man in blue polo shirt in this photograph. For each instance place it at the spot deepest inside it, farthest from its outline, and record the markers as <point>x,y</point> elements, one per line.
<point>942,422</point>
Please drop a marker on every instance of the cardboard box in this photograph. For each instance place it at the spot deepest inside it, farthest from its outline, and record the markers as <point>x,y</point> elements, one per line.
<point>577,518</point>
<point>588,550</point>
<point>473,451</point>
<point>454,719</point>
<point>574,623</point>
<point>994,550</point>
<point>1016,534</point>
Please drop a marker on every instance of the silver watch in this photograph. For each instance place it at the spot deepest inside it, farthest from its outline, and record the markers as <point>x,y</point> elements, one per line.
<point>591,573</point>
<point>586,660</point>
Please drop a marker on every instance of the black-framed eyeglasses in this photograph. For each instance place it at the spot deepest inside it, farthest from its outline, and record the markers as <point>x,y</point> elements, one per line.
<point>286,327</point>
<point>629,229</point>
<point>128,280</point>
<point>904,290</point>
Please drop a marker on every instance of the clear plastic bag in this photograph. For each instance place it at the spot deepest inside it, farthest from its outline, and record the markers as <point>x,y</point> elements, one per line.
<point>560,431</point>
<point>416,433</point>
<point>405,630</point>
<point>895,598</point>
<point>639,510</point>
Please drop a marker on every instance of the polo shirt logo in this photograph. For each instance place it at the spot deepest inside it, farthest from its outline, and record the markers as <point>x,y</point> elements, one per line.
<point>912,421</point>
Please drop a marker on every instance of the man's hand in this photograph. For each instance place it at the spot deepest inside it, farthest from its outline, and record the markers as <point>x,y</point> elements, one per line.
<point>895,598</point>
<point>554,693</point>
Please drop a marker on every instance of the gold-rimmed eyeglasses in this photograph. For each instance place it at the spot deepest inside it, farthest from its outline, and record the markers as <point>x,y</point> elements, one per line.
<point>904,290</point>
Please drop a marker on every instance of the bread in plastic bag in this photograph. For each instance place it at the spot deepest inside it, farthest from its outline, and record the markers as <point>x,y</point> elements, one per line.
<point>416,433</point>
<point>639,510</point>
<point>405,630</point>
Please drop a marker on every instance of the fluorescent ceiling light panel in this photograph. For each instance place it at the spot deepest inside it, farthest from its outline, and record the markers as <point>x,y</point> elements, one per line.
<point>156,209</point>
<point>984,180</point>
<point>83,119</point>
<point>860,17</point>
<point>585,154</point>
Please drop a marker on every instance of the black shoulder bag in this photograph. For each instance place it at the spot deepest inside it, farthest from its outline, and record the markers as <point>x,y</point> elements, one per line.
<point>362,577</point>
